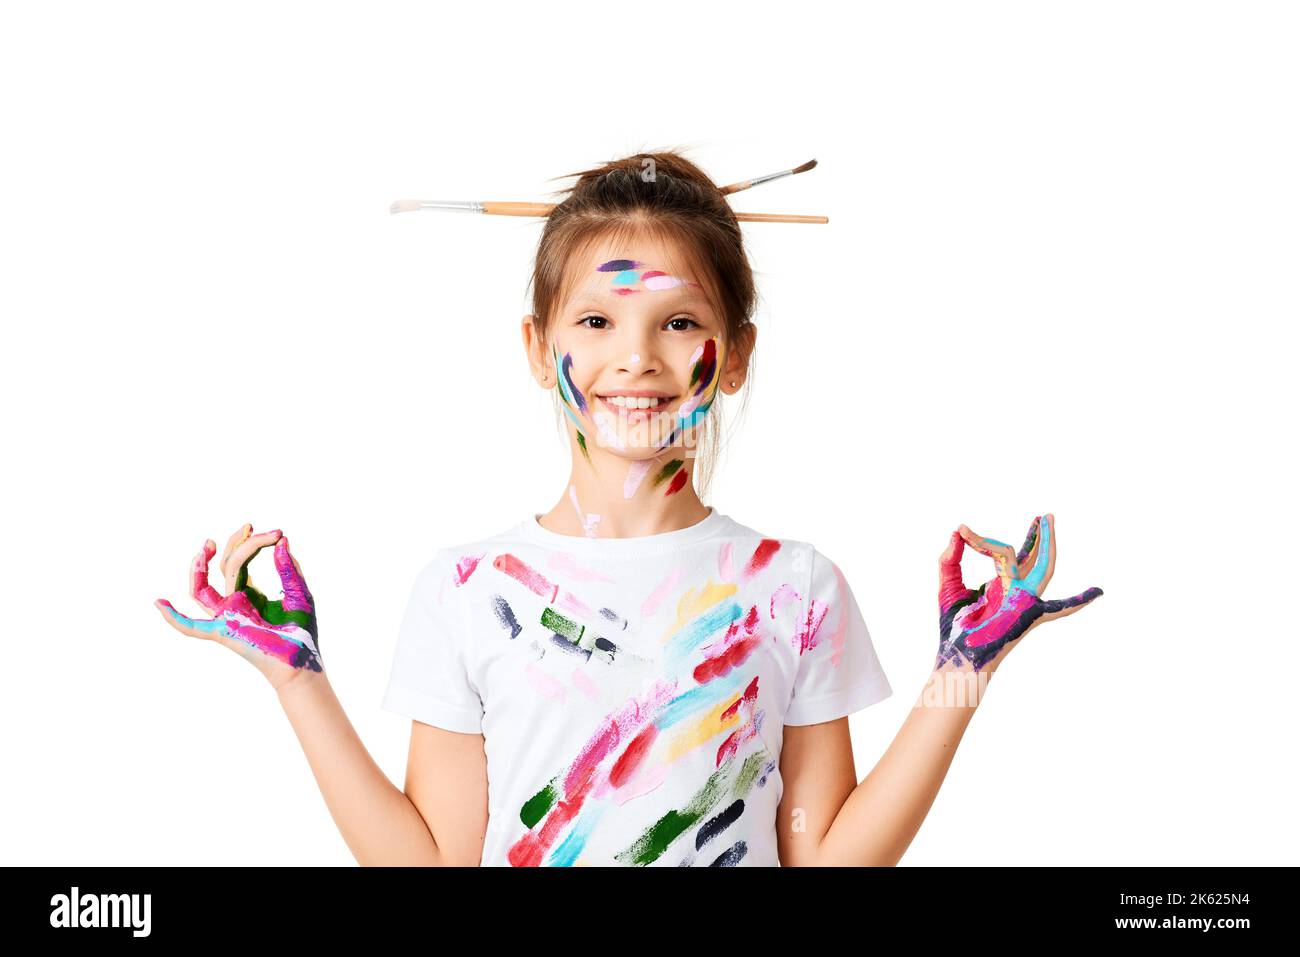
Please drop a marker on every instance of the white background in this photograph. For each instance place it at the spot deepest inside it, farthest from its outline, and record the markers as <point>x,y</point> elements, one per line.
<point>1059,275</point>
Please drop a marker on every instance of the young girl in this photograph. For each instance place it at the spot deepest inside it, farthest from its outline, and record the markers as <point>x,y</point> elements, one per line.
<point>633,678</point>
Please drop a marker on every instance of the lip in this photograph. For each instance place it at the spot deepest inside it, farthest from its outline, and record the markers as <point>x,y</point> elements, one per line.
<point>637,393</point>
<point>661,409</point>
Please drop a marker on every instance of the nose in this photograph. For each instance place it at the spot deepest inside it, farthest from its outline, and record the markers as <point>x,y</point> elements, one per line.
<point>639,356</point>
<point>634,363</point>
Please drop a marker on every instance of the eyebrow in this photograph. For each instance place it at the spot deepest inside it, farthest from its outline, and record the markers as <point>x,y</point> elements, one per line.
<point>595,300</point>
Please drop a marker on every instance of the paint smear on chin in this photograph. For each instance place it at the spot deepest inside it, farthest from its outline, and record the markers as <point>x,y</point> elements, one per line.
<point>636,473</point>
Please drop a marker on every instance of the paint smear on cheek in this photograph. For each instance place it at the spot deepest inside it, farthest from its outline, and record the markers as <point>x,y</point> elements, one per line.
<point>704,374</point>
<point>566,377</point>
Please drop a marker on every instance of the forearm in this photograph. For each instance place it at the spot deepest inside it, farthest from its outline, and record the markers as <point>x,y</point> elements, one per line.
<point>881,816</point>
<point>377,820</point>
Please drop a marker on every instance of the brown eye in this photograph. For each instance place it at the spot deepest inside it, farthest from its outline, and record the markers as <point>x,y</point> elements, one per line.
<point>584,319</point>
<point>684,319</point>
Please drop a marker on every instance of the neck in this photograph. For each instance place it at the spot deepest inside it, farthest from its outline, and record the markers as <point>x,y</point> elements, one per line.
<point>609,496</point>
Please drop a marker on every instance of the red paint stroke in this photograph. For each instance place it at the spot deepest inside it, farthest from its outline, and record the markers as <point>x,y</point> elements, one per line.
<point>465,567</point>
<point>761,558</point>
<point>805,636</point>
<point>740,640</point>
<point>983,610</point>
<point>746,731</point>
<point>627,723</point>
<point>539,584</point>
<point>633,756</point>
<point>750,694</point>
<point>678,481</point>
<point>526,575</point>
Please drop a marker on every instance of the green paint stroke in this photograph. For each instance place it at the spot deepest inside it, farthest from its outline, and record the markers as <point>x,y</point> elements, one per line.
<point>557,623</point>
<point>667,471</point>
<point>539,805</point>
<point>655,840</point>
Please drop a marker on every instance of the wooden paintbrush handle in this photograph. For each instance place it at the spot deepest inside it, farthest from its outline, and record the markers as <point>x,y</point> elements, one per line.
<point>544,209</point>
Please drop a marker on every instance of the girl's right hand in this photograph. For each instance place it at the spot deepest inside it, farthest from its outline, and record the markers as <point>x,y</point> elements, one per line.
<point>278,637</point>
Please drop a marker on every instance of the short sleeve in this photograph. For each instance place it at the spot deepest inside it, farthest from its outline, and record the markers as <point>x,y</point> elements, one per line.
<point>429,680</point>
<point>839,672</point>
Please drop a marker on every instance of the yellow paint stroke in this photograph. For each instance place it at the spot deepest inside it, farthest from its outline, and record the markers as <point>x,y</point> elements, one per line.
<point>692,605</point>
<point>707,727</point>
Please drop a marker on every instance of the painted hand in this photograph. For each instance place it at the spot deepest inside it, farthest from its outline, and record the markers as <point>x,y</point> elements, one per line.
<point>976,626</point>
<point>278,637</point>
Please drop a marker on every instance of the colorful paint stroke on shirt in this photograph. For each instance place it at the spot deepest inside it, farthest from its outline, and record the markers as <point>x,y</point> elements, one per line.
<point>702,696</point>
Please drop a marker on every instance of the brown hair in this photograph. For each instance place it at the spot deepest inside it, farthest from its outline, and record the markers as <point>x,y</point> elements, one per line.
<point>665,196</point>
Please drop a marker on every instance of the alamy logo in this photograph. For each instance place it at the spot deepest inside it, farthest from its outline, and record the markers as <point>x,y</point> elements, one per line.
<point>101,910</point>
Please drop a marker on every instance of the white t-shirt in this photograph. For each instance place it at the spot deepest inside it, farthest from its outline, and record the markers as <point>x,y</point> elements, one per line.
<point>632,692</point>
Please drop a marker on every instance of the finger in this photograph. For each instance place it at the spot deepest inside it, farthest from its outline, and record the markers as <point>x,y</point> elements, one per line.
<point>1030,539</point>
<point>1050,520</point>
<point>236,568</point>
<point>297,597</point>
<point>1045,561</point>
<point>241,534</point>
<point>984,545</point>
<point>1060,607</point>
<point>1001,553</point>
<point>952,554</point>
<point>1028,551</point>
<point>951,586</point>
<point>201,589</point>
<point>196,627</point>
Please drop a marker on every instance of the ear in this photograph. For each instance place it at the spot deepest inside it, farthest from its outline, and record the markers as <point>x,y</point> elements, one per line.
<point>539,360</point>
<point>737,363</point>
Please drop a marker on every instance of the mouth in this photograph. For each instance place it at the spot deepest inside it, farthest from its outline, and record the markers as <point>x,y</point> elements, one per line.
<point>635,414</point>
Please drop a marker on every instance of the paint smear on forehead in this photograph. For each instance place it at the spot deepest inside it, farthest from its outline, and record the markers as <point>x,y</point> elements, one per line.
<point>630,276</point>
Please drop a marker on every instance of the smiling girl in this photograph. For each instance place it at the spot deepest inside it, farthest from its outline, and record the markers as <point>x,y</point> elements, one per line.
<point>633,677</point>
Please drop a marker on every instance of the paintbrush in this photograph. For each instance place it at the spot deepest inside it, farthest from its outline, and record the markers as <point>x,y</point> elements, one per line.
<point>544,209</point>
<point>747,183</point>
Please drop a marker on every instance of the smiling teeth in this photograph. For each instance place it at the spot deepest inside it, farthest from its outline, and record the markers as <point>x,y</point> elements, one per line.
<point>633,402</point>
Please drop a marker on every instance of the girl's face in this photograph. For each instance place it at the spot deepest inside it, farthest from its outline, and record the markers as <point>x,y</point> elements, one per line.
<point>638,351</point>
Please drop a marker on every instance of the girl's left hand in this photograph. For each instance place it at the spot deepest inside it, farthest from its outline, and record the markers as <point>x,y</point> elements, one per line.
<point>978,625</point>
